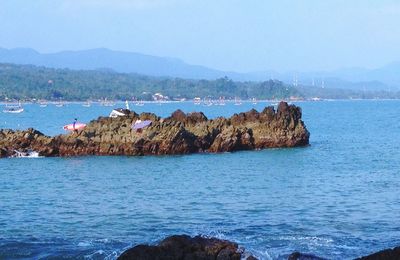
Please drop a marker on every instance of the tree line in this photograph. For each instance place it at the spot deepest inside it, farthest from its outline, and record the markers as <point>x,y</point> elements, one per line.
<point>27,82</point>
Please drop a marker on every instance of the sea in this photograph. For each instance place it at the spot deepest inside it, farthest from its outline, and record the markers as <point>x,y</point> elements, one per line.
<point>338,198</point>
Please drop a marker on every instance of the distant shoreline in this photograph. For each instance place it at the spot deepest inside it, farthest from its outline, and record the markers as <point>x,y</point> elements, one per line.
<point>122,102</point>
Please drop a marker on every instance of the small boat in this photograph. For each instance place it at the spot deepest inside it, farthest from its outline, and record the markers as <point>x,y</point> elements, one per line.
<point>197,101</point>
<point>42,104</point>
<point>207,102</point>
<point>139,103</point>
<point>117,112</point>
<point>254,101</point>
<point>59,104</point>
<point>238,102</point>
<point>107,103</point>
<point>13,109</point>
<point>87,104</point>
<point>221,101</point>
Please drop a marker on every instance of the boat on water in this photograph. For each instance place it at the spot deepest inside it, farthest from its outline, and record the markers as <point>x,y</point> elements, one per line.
<point>59,104</point>
<point>42,104</point>
<point>139,103</point>
<point>197,101</point>
<point>87,104</point>
<point>221,101</point>
<point>107,103</point>
<point>207,102</point>
<point>13,109</point>
<point>254,101</point>
<point>238,101</point>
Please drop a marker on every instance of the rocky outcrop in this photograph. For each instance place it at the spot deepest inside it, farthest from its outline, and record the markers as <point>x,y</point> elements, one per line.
<point>302,256</point>
<point>181,247</point>
<point>180,133</point>
<point>185,247</point>
<point>387,254</point>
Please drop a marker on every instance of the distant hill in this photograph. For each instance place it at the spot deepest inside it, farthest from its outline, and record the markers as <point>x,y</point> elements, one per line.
<point>27,82</point>
<point>386,78</point>
<point>119,61</point>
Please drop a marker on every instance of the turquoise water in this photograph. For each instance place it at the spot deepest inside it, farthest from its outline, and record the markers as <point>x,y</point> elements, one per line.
<point>338,198</point>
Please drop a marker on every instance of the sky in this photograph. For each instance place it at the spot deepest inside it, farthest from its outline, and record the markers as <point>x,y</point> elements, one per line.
<point>234,35</point>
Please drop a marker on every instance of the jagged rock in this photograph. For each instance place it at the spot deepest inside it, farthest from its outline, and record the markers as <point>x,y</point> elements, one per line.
<point>179,134</point>
<point>387,254</point>
<point>302,256</point>
<point>185,247</point>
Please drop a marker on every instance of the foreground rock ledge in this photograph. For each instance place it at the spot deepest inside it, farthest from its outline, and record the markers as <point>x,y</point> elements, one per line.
<point>386,254</point>
<point>182,247</point>
<point>178,134</point>
<point>185,247</point>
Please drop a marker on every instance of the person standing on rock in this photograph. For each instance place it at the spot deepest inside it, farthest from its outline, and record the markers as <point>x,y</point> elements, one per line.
<point>73,125</point>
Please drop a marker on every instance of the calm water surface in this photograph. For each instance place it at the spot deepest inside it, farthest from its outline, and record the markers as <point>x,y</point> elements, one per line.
<point>338,198</point>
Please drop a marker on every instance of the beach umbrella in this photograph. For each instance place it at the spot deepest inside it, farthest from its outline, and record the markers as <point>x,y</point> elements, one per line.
<point>139,124</point>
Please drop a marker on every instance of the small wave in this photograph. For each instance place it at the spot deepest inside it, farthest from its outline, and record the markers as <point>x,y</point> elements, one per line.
<point>306,238</point>
<point>27,154</point>
<point>84,244</point>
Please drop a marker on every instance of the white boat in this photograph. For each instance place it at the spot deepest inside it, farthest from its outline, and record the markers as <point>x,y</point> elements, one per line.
<point>14,109</point>
<point>221,101</point>
<point>87,104</point>
<point>59,103</point>
<point>207,102</point>
<point>117,112</point>
<point>238,102</point>
<point>42,104</point>
<point>107,103</point>
<point>197,101</point>
<point>254,101</point>
<point>139,103</point>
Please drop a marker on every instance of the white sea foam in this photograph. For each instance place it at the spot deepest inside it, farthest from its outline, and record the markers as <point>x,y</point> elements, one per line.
<point>27,154</point>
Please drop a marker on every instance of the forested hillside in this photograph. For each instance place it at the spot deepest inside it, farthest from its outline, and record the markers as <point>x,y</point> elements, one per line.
<point>32,82</point>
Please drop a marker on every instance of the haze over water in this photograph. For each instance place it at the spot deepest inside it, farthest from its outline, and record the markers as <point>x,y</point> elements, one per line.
<point>337,198</point>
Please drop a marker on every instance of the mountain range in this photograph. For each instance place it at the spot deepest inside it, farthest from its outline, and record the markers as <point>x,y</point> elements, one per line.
<point>384,78</point>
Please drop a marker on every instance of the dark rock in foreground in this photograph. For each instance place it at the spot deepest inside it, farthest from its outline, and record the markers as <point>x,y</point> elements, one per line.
<point>179,134</point>
<point>182,247</point>
<point>185,247</point>
<point>302,256</point>
<point>387,254</point>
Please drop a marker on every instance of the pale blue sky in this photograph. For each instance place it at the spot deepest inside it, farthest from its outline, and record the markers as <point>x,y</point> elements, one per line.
<point>240,35</point>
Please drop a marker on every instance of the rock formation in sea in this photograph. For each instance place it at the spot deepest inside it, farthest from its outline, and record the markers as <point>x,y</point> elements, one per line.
<point>180,133</point>
<point>387,254</point>
<point>180,247</point>
<point>186,247</point>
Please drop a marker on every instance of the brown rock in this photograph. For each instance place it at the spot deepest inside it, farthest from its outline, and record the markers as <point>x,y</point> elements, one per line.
<point>179,134</point>
<point>185,247</point>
